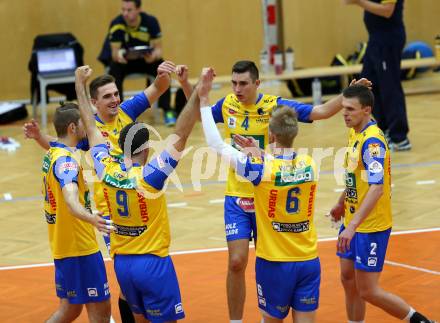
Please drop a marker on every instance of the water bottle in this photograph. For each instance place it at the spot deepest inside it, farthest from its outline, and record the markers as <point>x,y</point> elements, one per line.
<point>278,62</point>
<point>290,60</point>
<point>316,92</point>
<point>264,62</point>
<point>437,47</point>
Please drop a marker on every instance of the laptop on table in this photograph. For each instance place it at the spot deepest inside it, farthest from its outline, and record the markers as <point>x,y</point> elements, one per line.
<point>56,62</point>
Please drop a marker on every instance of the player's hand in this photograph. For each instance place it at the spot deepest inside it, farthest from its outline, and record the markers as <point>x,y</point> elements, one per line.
<point>103,225</point>
<point>363,81</point>
<point>336,215</point>
<point>182,73</point>
<point>31,130</point>
<point>248,145</point>
<point>344,239</point>
<point>166,67</point>
<point>337,212</point>
<point>163,78</point>
<point>205,82</point>
<point>83,73</point>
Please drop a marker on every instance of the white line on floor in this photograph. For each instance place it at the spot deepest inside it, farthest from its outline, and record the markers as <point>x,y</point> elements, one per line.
<point>398,264</point>
<point>183,204</point>
<point>186,252</point>
<point>216,201</point>
<point>429,182</point>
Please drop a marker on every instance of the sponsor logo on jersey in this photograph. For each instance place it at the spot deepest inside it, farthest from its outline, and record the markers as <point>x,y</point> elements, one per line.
<point>283,309</point>
<point>308,300</point>
<point>154,312</point>
<point>46,163</point>
<point>124,184</point>
<point>262,301</point>
<point>298,176</point>
<point>375,167</point>
<point>259,290</point>
<point>93,292</point>
<point>106,289</point>
<point>291,227</point>
<point>160,162</point>
<point>50,218</point>
<point>232,122</point>
<point>372,261</point>
<point>311,200</point>
<point>374,150</point>
<point>272,203</point>
<point>246,204</point>
<point>262,120</point>
<point>68,166</point>
<point>231,228</point>
<point>178,308</point>
<point>135,231</point>
<point>104,134</point>
<point>232,111</point>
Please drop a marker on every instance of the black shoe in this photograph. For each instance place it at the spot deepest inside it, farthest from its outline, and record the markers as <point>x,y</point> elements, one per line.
<point>400,146</point>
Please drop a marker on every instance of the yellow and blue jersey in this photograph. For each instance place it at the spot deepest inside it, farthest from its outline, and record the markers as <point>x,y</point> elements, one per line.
<point>68,235</point>
<point>284,188</point>
<point>367,162</point>
<point>251,121</point>
<point>136,202</point>
<point>129,111</point>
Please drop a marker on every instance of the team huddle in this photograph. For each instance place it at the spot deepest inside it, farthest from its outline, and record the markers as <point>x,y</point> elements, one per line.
<point>270,191</point>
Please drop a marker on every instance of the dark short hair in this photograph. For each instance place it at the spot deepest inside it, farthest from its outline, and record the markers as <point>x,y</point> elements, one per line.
<point>65,115</point>
<point>137,3</point>
<point>284,124</point>
<point>98,82</point>
<point>362,93</point>
<point>140,137</point>
<point>246,66</point>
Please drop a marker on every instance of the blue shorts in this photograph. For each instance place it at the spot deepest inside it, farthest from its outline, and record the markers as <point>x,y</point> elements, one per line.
<point>240,218</point>
<point>149,284</point>
<point>282,285</point>
<point>367,250</point>
<point>82,279</point>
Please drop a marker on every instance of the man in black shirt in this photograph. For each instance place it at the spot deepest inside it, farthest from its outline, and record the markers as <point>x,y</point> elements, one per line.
<point>384,22</point>
<point>131,28</point>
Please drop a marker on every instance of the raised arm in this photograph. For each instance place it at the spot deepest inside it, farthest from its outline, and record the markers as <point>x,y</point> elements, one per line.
<point>333,106</point>
<point>184,124</point>
<point>385,10</point>
<point>82,74</point>
<point>182,77</point>
<point>161,82</point>
<point>70,194</point>
<point>212,135</point>
<point>32,130</point>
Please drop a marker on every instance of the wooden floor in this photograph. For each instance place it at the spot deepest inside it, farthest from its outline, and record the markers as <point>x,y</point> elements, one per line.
<point>196,215</point>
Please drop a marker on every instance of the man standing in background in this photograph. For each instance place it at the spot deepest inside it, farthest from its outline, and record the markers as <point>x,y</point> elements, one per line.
<point>131,28</point>
<point>384,22</point>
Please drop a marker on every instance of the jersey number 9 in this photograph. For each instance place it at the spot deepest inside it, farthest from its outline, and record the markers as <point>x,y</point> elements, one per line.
<point>122,200</point>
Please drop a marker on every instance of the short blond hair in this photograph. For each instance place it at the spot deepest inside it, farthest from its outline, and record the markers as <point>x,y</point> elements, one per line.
<point>284,125</point>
